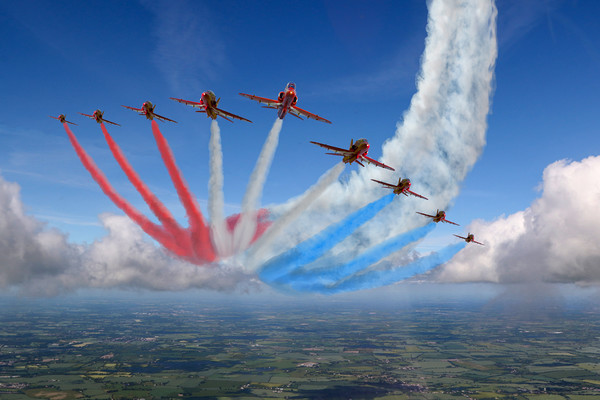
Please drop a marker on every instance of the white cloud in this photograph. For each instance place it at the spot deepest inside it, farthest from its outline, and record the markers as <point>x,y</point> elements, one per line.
<point>125,259</point>
<point>554,240</point>
<point>29,253</point>
<point>40,261</point>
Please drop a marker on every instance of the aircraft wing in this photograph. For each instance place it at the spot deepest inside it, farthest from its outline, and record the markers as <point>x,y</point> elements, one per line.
<point>226,114</point>
<point>133,108</point>
<point>463,238</point>
<point>58,118</point>
<point>103,120</point>
<point>450,222</point>
<point>389,185</point>
<point>298,111</point>
<point>417,195</point>
<point>427,215</point>
<point>262,100</point>
<point>377,163</point>
<point>189,102</point>
<point>160,117</point>
<point>333,148</point>
<point>475,241</point>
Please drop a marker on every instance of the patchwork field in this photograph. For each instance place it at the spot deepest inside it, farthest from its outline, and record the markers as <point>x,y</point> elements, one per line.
<point>124,350</point>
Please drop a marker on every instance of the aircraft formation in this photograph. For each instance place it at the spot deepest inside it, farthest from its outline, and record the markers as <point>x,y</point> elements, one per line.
<point>357,152</point>
<point>284,104</point>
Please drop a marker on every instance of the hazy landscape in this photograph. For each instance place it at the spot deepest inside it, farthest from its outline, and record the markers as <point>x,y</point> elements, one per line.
<point>160,346</point>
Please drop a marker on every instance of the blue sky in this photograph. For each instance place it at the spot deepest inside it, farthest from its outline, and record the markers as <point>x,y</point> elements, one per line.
<point>353,63</point>
<point>544,105</point>
<point>72,57</point>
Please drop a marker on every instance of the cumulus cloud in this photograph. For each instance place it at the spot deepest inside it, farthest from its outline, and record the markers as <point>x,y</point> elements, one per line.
<point>554,240</point>
<point>30,254</point>
<point>41,261</point>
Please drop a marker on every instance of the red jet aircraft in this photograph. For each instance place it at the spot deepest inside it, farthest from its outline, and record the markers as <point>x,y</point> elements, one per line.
<point>148,110</point>
<point>358,151</point>
<point>469,239</point>
<point>62,118</point>
<point>403,187</point>
<point>286,102</point>
<point>98,116</point>
<point>439,216</point>
<point>208,104</point>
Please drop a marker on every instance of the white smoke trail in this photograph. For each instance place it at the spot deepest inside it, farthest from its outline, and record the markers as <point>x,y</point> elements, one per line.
<point>220,235</point>
<point>245,229</point>
<point>296,209</point>
<point>441,135</point>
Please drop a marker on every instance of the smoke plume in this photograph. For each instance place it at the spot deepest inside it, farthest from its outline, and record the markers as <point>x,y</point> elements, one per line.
<point>216,200</point>
<point>440,137</point>
<point>244,231</point>
<point>435,145</point>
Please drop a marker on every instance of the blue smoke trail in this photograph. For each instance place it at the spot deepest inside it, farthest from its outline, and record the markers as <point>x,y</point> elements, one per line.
<point>313,248</point>
<point>379,278</point>
<point>307,280</point>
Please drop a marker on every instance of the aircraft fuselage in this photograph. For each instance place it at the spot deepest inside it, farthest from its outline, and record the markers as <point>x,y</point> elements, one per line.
<point>98,116</point>
<point>288,99</point>
<point>439,216</point>
<point>403,185</point>
<point>359,148</point>
<point>148,110</point>
<point>209,99</point>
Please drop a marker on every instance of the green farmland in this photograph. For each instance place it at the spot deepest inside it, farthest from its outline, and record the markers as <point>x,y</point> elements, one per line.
<point>124,350</point>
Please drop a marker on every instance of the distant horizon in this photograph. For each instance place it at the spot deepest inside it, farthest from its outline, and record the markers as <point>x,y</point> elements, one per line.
<point>405,295</point>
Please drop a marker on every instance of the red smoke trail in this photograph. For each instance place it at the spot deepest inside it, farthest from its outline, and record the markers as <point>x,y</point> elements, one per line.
<point>157,207</point>
<point>262,223</point>
<point>200,232</point>
<point>148,226</point>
